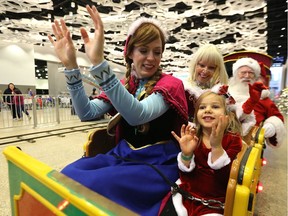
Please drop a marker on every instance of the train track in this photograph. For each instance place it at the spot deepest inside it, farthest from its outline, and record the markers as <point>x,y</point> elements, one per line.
<point>61,132</point>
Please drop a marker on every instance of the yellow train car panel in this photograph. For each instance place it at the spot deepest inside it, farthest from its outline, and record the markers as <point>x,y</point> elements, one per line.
<point>241,201</point>
<point>32,183</point>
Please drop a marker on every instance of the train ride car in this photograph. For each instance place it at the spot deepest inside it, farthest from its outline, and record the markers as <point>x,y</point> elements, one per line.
<point>37,189</point>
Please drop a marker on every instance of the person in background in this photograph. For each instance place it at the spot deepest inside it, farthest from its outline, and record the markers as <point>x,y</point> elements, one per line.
<point>149,102</point>
<point>206,70</point>
<point>29,99</point>
<point>19,104</point>
<point>30,92</point>
<point>1,100</point>
<point>246,72</point>
<point>207,152</point>
<point>94,94</point>
<point>8,99</point>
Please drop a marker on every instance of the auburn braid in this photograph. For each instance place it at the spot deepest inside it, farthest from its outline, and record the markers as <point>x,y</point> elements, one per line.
<point>152,82</point>
<point>128,75</point>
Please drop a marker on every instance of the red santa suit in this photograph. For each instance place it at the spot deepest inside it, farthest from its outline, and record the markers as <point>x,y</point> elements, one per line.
<point>265,110</point>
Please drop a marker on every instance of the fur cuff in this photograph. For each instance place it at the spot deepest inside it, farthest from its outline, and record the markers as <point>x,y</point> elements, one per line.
<point>265,93</point>
<point>220,162</point>
<point>280,131</point>
<point>182,167</point>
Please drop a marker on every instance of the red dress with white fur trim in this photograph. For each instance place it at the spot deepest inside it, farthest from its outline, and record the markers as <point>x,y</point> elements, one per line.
<point>206,182</point>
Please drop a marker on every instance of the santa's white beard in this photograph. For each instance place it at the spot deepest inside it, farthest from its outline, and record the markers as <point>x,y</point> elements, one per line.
<point>238,90</point>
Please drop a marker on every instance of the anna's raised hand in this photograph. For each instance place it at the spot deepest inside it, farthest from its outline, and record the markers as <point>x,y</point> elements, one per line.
<point>94,47</point>
<point>65,49</point>
<point>63,45</point>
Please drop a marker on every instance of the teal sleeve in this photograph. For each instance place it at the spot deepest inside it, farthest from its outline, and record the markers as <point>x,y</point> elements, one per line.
<point>135,112</point>
<point>84,108</point>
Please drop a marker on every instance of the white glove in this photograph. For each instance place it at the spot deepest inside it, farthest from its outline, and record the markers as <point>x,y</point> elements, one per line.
<point>269,130</point>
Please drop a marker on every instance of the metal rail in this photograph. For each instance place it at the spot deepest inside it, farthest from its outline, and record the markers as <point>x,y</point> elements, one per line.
<point>32,136</point>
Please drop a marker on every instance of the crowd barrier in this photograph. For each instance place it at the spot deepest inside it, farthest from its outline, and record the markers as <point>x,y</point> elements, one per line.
<point>42,109</point>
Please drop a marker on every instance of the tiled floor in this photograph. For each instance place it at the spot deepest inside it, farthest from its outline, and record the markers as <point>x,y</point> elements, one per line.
<point>59,151</point>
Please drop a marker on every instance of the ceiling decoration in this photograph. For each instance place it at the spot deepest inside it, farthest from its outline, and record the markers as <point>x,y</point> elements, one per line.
<point>230,24</point>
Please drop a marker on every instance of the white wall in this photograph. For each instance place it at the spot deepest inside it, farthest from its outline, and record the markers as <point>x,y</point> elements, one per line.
<point>42,84</point>
<point>47,53</point>
<point>17,64</point>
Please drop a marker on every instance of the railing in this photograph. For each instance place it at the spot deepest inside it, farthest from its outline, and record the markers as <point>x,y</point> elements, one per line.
<point>24,110</point>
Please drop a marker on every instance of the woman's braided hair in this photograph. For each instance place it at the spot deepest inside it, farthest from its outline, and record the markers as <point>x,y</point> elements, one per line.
<point>145,34</point>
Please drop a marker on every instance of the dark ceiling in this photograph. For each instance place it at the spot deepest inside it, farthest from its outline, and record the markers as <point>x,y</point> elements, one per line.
<point>185,35</point>
<point>277,29</point>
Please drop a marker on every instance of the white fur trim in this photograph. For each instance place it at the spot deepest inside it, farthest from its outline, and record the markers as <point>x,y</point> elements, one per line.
<point>212,214</point>
<point>247,122</point>
<point>178,202</point>
<point>137,23</point>
<point>182,167</point>
<point>193,89</point>
<point>216,87</point>
<point>239,111</point>
<point>191,124</point>
<point>222,161</point>
<point>265,93</point>
<point>280,130</point>
<point>250,62</point>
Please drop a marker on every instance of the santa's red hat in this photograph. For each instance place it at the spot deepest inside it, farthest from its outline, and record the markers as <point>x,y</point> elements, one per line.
<point>250,62</point>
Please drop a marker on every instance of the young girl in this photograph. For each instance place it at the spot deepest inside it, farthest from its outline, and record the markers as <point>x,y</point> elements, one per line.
<point>206,154</point>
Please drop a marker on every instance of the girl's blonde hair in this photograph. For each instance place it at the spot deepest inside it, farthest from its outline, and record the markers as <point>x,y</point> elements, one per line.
<point>211,54</point>
<point>145,34</point>
<point>234,125</point>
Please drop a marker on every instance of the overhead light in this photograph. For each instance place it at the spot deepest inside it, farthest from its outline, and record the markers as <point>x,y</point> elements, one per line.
<point>73,4</point>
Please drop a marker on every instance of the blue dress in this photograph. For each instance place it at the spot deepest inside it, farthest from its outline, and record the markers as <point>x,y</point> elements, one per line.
<point>135,185</point>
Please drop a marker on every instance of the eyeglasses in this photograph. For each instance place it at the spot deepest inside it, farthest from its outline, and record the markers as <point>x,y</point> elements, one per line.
<point>210,69</point>
<point>250,73</point>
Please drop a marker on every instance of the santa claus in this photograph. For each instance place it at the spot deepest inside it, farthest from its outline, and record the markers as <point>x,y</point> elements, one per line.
<point>246,71</point>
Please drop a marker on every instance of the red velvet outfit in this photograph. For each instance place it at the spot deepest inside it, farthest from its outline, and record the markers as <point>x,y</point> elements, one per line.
<point>205,182</point>
<point>266,111</point>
